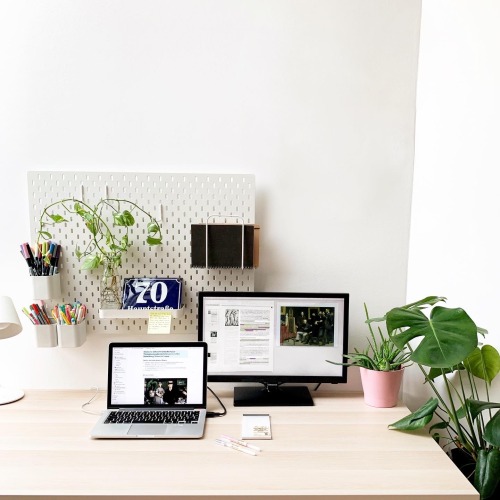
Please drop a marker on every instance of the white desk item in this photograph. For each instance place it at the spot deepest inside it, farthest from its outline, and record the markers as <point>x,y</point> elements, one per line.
<point>9,327</point>
<point>256,426</point>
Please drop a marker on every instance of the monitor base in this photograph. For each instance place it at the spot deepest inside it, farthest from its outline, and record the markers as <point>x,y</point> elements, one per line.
<point>275,396</point>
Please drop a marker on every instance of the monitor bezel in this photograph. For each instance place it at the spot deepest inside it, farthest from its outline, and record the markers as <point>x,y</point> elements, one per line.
<point>278,379</point>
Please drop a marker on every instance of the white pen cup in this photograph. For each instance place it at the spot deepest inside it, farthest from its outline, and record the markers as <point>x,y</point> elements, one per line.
<point>72,335</point>
<point>46,335</point>
<point>46,287</point>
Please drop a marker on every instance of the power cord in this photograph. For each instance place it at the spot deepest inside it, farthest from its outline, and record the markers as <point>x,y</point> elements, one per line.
<point>212,414</point>
<point>90,401</point>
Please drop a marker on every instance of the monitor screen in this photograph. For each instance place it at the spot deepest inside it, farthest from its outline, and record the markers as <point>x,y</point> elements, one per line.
<point>274,339</point>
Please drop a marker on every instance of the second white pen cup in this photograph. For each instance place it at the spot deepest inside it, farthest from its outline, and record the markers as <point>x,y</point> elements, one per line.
<point>72,335</point>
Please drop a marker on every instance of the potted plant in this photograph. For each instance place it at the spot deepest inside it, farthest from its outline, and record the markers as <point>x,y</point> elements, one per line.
<point>381,367</point>
<point>108,222</point>
<point>443,343</point>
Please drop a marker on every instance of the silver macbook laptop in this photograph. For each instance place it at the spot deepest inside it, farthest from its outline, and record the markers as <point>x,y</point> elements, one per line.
<point>155,390</point>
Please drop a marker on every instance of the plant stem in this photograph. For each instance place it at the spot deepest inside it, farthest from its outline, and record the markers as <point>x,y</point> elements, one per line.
<point>454,417</point>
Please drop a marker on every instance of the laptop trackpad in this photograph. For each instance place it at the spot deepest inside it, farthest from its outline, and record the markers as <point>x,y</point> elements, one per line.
<point>146,430</point>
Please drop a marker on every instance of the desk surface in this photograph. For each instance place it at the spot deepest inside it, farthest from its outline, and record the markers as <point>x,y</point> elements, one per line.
<point>338,448</point>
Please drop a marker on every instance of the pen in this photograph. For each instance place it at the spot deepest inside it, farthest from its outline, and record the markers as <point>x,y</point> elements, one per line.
<point>54,260</point>
<point>28,256</point>
<point>241,443</point>
<point>31,316</point>
<point>234,446</point>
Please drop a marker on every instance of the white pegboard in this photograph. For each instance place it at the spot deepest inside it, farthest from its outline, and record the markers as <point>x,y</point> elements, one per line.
<point>176,201</point>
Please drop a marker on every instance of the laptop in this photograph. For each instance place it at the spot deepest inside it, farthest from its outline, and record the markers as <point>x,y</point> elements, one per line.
<point>155,390</point>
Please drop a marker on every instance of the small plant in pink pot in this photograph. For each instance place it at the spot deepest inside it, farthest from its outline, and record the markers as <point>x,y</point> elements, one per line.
<point>381,367</point>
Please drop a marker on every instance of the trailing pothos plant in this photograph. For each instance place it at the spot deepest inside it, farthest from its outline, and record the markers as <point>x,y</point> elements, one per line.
<point>109,222</point>
<point>444,345</point>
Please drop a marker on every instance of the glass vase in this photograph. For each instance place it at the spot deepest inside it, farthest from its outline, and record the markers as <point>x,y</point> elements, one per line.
<point>110,291</point>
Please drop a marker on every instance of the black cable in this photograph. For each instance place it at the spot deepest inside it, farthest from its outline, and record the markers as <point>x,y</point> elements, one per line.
<point>211,414</point>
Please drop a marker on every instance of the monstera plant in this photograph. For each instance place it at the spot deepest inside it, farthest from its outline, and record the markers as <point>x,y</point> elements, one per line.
<point>444,344</point>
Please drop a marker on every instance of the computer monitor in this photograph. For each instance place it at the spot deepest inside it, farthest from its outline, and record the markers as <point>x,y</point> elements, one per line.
<point>274,339</point>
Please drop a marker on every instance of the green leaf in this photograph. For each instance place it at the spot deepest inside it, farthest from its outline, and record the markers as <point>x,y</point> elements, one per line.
<point>428,301</point>
<point>91,262</point>
<point>439,425</point>
<point>124,242</point>
<point>153,227</point>
<point>109,238</point>
<point>487,474</point>
<point>78,253</point>
<point>45,235</point>
<point>448,335</point>
<point>418,419</point>
<point>153,241</point>
<point>492,430</point>
<point>81,211</point>
<point>57,218</point>
<point>434,373</point>
<point>476,407</point>
<point>482,331</point>
<point>483,363</point>
<point>124,218</point>
<point>90,223</point>
<point>420,304</point>
<point>462,411</point>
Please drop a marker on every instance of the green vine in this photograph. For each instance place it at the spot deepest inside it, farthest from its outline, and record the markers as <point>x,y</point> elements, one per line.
<point>108,240</point>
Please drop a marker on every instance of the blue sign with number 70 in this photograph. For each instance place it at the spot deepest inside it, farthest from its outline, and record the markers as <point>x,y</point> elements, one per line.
<point>152,293</point>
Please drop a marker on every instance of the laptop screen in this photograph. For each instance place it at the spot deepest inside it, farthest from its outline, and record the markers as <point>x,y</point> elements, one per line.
<point>157,374</point>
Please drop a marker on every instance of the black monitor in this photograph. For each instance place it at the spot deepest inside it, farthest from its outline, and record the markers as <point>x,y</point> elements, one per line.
<point>277,340</point>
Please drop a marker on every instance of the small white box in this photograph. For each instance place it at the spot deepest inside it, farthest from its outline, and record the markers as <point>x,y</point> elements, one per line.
<point>256,426</point>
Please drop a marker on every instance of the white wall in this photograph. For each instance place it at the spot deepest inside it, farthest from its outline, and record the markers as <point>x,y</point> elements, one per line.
<point>455,248</point>
<point>315,97</point>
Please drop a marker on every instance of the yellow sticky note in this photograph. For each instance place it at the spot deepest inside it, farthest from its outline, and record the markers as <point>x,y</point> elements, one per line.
<point>159,321</point>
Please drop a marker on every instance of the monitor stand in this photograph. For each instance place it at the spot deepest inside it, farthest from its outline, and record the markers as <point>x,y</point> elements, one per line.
<point>272,395</point>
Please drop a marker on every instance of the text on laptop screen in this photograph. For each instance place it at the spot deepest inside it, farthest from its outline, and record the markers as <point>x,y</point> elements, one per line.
<point>157,375</point>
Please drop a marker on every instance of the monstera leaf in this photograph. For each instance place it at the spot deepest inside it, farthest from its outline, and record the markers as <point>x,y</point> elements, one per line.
<point>483,363</point>
<point>448,335</point>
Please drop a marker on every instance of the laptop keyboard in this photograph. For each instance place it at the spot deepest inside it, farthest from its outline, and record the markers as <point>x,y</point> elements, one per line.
<point>153,417</point>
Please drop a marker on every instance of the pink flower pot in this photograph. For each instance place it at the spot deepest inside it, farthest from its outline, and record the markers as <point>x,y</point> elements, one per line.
<point>381,389</point>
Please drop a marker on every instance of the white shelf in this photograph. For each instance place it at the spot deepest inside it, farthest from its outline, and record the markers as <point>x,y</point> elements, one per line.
<point>133,313</point>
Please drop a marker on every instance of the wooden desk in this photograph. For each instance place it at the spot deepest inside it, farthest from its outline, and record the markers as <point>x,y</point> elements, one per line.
<point>339,448</point>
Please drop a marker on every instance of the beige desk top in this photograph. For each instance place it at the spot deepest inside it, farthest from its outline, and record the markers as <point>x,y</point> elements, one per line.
<point>339,448</point>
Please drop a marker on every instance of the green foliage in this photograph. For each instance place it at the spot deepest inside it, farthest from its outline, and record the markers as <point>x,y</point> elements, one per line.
<point>382,354</point>
<point>108,240</point>
<point>417,419</point>
<point>449,335</point>
<point>486,477</point>
<point>448,349</point>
